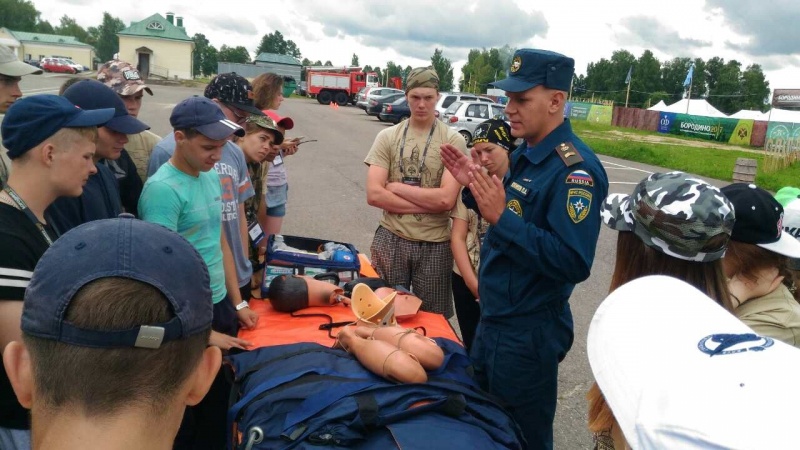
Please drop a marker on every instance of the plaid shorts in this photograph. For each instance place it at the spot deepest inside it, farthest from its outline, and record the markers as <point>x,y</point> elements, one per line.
<point>423,267</point>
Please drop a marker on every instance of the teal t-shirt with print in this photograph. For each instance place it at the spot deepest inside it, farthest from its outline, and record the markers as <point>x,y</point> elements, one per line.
<point>191,206</point>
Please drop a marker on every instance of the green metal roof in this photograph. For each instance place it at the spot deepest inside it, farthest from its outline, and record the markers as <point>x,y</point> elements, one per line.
<point>277,59</point>
<point>24,36</point>
<point>156,26</point>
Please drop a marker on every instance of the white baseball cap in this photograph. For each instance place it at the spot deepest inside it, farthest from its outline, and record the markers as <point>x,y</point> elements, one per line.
<point>679,371</point>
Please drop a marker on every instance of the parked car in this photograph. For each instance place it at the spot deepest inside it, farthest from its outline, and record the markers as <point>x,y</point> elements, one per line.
<point>465,116</point>
<point>447,98</point>
<point>396,111</point>
<point>373,92</point>
<point>57,65</point>
<point>33,62</point>
<point>301,88</point>
<point>74,65</point>
<point>375,105</point>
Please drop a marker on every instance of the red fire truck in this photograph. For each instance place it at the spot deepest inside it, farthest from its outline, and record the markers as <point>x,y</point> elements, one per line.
<point>337,84</point>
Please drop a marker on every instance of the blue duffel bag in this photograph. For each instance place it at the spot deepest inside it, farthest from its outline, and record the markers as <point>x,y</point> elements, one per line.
<point>307,395</point>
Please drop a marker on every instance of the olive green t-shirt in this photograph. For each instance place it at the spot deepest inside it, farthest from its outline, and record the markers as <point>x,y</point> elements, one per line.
<point>386,152</point>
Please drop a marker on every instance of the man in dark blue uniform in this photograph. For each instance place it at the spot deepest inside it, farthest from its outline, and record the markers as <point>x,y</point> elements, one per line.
<point>545,221</point>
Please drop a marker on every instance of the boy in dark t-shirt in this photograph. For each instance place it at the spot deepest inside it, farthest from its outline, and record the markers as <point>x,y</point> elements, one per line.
<point>51,143</point>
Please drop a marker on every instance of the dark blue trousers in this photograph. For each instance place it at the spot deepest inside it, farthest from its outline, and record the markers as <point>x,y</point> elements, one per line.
<point>516,359</point>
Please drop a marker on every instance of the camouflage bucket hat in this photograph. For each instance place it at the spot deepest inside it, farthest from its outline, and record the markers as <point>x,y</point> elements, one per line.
<point>674,213</point>
<point>122,78</point>
<point>267,123</point>
<point>422,77</point>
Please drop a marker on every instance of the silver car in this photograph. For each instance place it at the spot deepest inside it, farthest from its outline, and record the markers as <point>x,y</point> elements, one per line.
<point>465,116</point>
<point>369,93</point>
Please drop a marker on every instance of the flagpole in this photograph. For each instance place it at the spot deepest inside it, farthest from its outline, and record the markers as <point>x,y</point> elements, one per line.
<point>628,94</point>
<point>689,96</point>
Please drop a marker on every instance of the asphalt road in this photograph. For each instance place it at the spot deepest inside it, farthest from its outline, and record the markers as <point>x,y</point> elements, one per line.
<point>327,200</point>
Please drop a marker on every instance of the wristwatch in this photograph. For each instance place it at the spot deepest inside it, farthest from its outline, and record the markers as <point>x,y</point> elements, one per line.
<point>242,305</point>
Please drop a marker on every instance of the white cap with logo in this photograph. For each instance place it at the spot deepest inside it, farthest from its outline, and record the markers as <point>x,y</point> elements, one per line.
<point>678,371</point>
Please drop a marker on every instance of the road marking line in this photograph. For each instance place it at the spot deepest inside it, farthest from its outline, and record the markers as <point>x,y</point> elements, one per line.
<point>623,167</point>
<point>623,182</point>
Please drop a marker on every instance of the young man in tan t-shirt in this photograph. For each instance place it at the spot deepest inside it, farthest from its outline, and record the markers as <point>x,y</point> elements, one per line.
<point>407,180</point>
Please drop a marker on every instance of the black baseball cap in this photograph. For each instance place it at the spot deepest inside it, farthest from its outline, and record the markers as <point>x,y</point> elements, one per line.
<point>233,90</point>
<point>494,131</point>
<point>759,219</point>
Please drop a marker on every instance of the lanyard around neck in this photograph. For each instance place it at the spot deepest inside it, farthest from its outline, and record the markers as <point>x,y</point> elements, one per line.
<point>28,213</point>
<point>424,152</point>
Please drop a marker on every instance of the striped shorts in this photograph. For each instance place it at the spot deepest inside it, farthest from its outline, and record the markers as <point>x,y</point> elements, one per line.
<point>423,267</point>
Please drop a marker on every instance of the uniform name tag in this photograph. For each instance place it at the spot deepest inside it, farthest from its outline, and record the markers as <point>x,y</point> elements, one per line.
<point>519,188</point>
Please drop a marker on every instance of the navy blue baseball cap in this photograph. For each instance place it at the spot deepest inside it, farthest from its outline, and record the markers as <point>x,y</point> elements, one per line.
<point>31,120</point>
<point>533,67</point>
<point>128,248</point>
<point>204,116</point>
<point>92,94</point>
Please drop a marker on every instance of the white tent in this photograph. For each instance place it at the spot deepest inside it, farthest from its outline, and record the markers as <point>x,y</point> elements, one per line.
<point>660,106</point>
<point>782,115</point>
<point>696,107</point>
<point>750,114</point>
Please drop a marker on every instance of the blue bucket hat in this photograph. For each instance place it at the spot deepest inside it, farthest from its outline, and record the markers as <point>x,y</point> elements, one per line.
<point>533,67</point>
<point>123,247</point>
<point>31,120</point>
<point>92,94</point>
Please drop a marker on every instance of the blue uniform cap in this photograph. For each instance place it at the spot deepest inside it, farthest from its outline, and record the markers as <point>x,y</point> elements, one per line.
<point>123,247</point>
<point>533,67</point>
<point>204,116</point>
<point>92,94</point>
<point>31,120</point>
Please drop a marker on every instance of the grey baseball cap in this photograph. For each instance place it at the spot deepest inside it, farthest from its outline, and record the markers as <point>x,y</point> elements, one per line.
<point>675,213</point>
<point>13,67</point>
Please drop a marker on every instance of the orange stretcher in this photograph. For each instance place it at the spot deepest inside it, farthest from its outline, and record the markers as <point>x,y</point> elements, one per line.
<point>278,328</point>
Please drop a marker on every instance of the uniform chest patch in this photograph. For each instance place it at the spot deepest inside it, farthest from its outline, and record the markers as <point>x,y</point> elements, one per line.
<point>580,177</point>
<point>579,201</point>
<point>519,188</point>
<point>515,207</point>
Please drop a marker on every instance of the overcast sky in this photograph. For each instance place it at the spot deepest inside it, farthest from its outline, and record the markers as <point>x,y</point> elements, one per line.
<point>765,32</point>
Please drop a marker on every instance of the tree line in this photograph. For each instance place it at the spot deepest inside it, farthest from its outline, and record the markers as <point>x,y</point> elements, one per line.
<point>726,85</point>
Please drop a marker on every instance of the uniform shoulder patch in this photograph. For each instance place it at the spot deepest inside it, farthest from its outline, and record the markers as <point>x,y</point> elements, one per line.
<point>580,177</point>
<point>568,153</point>
<point>579,202</point>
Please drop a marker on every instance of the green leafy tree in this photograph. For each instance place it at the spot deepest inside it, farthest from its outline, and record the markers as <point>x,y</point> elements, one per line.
<point>673,74</point>
<point>317,63</point>
<point>354,60</point>
<point>483,67</point>
<point>104,37</point>
<point>444,68</point>
<point>727,92</point>
<point>205,56</point>
<point>69,27</point>
<point>45,27</point>
<point>645,78</point>
<point>367,68</point>
<point>755,88</point>
<point>275,43</point>
<point>19,15</point>
<point>237,54</point>
<point>328,64</point>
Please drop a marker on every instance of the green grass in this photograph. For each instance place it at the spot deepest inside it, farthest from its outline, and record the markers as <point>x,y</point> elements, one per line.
<point>708,162</point>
